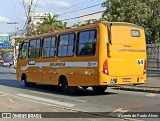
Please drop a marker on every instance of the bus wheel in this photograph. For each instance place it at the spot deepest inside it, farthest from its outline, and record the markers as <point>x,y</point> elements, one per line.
<point>26,83</point>
<point>99,89</point>
<point>64,86</point>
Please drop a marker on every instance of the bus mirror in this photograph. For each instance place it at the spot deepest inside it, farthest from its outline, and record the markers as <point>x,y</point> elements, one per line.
<point>20,46</point>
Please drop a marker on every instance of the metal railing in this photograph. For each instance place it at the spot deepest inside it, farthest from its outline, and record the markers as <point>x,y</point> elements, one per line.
<point>153,56</point>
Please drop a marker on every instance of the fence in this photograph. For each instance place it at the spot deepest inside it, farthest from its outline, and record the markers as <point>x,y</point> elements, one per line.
<point>153,56</point>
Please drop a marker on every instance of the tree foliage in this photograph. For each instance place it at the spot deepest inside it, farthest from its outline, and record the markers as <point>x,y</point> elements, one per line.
<point>145,13</point>
<point>49,24</point>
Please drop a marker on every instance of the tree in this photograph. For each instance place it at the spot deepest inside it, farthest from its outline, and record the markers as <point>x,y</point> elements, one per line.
<point>141,12</point>
<point>50,24</point>
<point>84,23</point>
<point>153,22</point>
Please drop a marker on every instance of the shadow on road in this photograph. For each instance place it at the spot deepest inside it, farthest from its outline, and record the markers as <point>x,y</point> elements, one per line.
<point>49,88</point>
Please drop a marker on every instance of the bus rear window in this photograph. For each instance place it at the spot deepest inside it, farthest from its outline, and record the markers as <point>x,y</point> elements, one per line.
<point>135,33</point>
<point>124,34</point>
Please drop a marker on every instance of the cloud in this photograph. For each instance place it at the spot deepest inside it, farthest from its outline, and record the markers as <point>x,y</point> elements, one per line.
<point>44,5</point>
<point>47,3</point>
<point>59,4</point>
<point>53,4</point>
<point>3,19</point>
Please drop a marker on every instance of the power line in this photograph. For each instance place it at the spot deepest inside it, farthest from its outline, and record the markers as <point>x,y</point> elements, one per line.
<point>13,11</point>
<point>79,9</point>
<point>18,15</point>
<point>83,15</point>
<point>28,15</point>
<point>35,5</point>
<point>15,23</point>
<point>24,7</point>
<point>78,5</point>
<point>75,5</point>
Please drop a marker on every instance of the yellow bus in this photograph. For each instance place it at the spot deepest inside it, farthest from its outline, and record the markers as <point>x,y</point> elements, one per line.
<point>97,55</point>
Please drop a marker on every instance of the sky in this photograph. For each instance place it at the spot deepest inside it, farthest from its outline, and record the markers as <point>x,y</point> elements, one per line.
<point>16,10</point>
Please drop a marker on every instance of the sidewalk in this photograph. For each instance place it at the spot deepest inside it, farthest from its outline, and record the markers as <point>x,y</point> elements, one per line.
<point>152,85</point>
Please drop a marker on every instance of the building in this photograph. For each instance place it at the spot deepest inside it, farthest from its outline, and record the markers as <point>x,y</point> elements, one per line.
<point>88,19</point>
<point>38,17</point>
<point>91,17</point>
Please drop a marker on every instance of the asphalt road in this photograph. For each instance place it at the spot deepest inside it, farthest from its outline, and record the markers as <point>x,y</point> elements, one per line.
<point>15,97</point>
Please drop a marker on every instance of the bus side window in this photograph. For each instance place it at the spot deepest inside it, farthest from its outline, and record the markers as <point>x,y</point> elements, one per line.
<point>66,45</point>
<point>34,48</point>
<point>86,45</point>
<point>48,47</point>
<point>23,51</point>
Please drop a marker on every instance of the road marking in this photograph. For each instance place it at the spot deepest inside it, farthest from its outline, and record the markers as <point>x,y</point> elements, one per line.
<point>121,110</point>
<point>46,100</point>
<point>44,103</point>
<point>118,113</point>
<point>63,97</point>
<point>11,100</point>
<point>131,119</point>
<point>151,95</point>
<point>3,95</point>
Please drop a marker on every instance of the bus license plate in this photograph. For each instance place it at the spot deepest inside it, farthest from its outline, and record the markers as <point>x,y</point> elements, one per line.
<point>126,79</point>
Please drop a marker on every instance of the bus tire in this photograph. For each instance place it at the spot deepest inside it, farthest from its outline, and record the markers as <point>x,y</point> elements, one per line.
<point>63,84</point>
<point>99,89</point>
<point>26,83</point>
<point>29,84</point>
<point>65,88</point>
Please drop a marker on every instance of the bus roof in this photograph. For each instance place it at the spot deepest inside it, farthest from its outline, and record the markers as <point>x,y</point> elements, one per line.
<point>72,29</point>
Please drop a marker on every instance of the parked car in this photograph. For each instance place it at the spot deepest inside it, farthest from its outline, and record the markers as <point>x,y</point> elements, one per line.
<point>7,60</point>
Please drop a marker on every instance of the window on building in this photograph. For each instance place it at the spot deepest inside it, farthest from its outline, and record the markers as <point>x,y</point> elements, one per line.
<point>34,48</point>
<point>66,45</point>
<point>48,47</point>
<point>86,45</point>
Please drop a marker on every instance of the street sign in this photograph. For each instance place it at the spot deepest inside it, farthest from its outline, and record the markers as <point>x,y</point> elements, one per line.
<point>5,45</point>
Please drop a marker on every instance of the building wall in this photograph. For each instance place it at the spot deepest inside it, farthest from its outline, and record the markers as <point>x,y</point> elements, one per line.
<point>38,17</point>
<point>94,16</point>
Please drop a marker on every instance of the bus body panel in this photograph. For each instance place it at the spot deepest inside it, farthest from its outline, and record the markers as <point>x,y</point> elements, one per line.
<point>121,53</point>
<point>126,55</point>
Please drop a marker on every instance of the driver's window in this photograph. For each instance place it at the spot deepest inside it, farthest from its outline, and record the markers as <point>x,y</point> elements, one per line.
<point>24,51</point>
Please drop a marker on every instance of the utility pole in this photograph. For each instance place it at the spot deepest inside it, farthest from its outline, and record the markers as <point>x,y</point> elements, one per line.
<point>15,44</point>
<point>29,16</point>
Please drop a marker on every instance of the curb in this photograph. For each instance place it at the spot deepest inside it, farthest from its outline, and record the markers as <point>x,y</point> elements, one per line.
<point>139,89</point>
